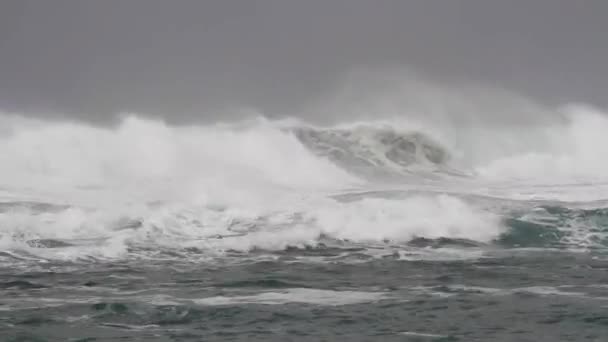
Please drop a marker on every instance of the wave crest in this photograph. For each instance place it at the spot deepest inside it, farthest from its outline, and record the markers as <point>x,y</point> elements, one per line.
<point>376,151</point>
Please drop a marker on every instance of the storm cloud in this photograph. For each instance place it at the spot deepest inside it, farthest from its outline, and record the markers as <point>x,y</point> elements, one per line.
<point>186,59</point>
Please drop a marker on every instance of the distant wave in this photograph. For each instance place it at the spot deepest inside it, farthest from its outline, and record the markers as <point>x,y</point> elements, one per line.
<point>295,154</point>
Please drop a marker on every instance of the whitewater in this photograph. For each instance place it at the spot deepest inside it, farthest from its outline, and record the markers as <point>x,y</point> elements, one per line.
<point>269,184</point>
<point>146,226</point>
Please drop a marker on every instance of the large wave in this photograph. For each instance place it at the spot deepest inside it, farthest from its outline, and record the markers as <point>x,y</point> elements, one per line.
<point>376,152</point>
<point>291,153</point>
<point>271,184</point>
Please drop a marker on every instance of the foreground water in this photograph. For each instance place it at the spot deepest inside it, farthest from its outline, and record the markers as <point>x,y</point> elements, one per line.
<point>280,231</point>
<point>498,295</point>
<point>535,281</point>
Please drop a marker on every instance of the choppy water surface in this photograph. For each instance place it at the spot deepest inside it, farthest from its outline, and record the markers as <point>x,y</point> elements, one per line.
<point>461,294</point>
<point>281,231</point>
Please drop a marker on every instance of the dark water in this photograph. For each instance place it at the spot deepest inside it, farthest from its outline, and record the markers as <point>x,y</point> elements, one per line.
<point>316,294</point>
<point>545,278</point>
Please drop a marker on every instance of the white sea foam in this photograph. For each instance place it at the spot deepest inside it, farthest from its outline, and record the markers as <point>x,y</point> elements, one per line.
<point>263,184</point>
<point>296,223</point>
<point>298,295</point>
<point>454,290</point>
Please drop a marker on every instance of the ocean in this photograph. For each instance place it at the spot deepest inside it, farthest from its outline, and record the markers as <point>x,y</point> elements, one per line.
<point>281,230</point>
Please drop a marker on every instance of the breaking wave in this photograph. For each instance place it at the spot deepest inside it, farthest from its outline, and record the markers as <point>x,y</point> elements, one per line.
<point>70,190</point>
<point>376,152</point>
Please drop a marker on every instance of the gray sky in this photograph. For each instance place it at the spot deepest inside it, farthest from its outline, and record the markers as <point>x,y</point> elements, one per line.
<point>184,59</point>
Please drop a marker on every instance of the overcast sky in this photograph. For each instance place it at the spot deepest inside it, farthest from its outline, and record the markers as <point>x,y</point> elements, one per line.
<point>183,59</point>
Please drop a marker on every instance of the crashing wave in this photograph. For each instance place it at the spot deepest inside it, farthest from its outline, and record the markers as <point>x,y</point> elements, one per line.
<point>374,152</point>
<point>71,189</point>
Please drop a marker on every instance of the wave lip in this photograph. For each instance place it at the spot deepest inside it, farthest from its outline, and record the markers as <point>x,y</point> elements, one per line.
<point>376,152</point>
